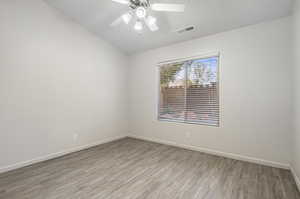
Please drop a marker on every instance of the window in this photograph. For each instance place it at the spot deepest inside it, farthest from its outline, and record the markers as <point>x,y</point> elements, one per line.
<point>189,91</point>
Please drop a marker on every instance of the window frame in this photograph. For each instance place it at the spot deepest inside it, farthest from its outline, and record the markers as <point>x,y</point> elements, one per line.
<point>171,61</point>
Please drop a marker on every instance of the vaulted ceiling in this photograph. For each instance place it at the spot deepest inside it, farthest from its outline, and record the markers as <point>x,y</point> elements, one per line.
<point>208,17</point>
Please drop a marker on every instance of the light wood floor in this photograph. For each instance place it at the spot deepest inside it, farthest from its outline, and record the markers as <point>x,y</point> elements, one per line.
<point>131,168</point>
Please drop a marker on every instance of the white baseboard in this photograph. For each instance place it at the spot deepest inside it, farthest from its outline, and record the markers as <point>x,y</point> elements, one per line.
<point>217,153</point>
<point>194,148</point>
<point>58,154</point>
<point>296,177</point>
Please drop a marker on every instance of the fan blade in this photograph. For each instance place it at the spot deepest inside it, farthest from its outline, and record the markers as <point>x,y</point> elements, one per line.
<point>116,22</point>
<point>151,23</point>
<point>126,18</point>
<point>168,7</point>
<point>121,1</point>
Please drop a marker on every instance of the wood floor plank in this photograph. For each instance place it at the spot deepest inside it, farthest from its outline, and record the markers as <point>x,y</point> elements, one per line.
<point>135,169</point>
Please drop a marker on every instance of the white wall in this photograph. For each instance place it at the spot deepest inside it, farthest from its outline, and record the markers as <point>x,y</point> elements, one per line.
<point>255,94</point>
<point>296,104</point>
<point>56,79</point>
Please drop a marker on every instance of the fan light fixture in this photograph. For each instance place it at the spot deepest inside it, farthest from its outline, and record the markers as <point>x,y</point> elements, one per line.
<point>138,26</point>
<point>151,23</point>
<point>139,11</point>
<point>127,18</point>
<point>151,20</point>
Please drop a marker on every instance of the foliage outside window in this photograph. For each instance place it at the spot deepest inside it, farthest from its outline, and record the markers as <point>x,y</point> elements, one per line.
<point>189,91</point>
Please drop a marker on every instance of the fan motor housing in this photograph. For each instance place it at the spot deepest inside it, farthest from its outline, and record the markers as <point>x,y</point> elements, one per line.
<point>139,3</point>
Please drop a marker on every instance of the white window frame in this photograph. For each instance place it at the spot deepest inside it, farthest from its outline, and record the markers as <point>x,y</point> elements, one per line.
<point>201,56</point>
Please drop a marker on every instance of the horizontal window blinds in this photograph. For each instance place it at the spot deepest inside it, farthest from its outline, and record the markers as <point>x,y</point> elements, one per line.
<point>189,91</point>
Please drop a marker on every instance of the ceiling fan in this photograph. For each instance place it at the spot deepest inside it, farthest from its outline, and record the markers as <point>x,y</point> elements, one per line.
<point>139,11</point>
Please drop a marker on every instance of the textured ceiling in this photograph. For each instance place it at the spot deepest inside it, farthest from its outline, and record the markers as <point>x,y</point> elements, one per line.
<point>208,17</point>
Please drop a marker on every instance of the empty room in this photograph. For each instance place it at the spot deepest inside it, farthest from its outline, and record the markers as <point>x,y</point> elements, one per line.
<point>149,99</point>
